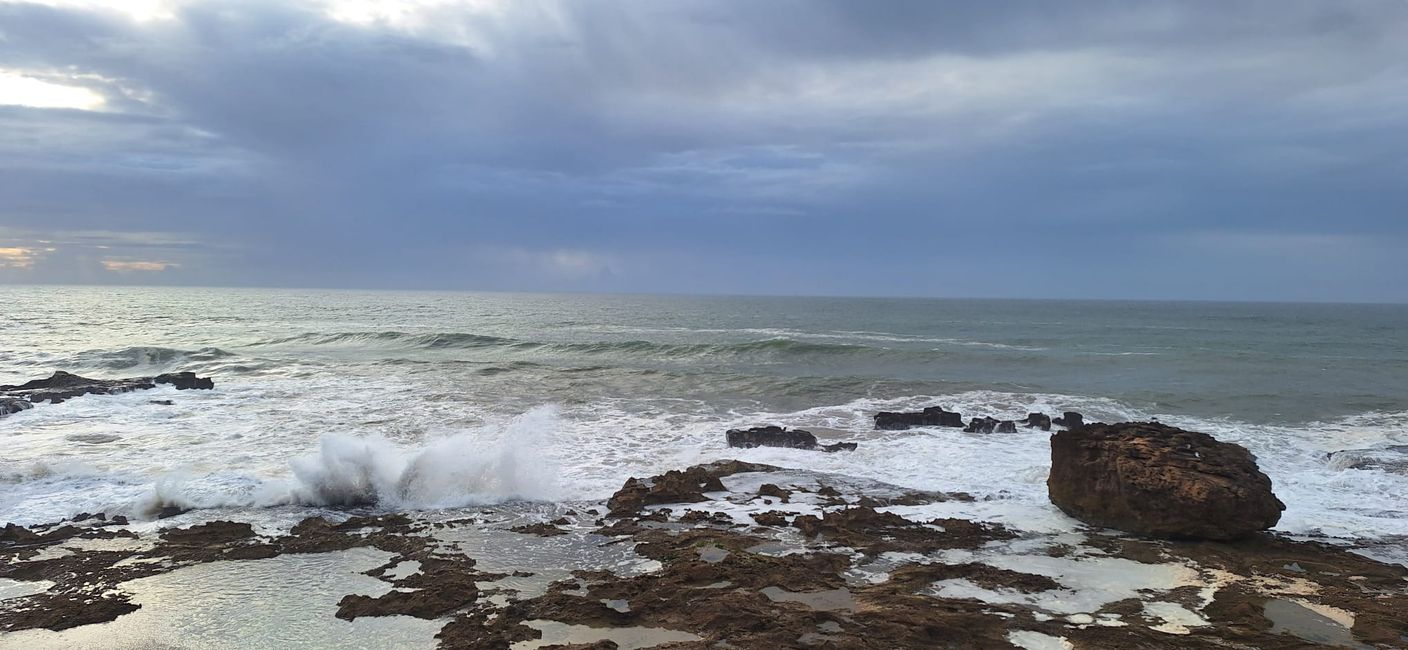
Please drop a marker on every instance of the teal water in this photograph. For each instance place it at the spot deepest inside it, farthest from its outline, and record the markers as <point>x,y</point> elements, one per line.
<point>1259,362</point>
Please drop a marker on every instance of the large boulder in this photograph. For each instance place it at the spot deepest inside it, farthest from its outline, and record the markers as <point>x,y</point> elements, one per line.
<point>774,436</point>
<point>1161,481</point>
<point>934,416</point>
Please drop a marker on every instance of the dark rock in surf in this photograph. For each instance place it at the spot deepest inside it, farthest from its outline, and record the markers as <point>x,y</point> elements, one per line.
<point>63,386</point>
<point>934,416</point>
<point>981,425</point>
<point>1037,420</point>
<point>1153,479</point>
<point>773,436</point>
<point>1392,459</point>
<point>10,405</point>
<point>1070,420</point>
<point>1007,426</point>
<point>185,381</point>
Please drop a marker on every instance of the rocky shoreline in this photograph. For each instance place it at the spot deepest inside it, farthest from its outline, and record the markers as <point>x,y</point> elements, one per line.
<point>747,556</point>
<point>1174,553</point>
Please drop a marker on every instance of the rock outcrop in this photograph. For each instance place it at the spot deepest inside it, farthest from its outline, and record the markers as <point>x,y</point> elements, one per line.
<point>1037,420</point>
<point>63,386</point>
<point>934,416</point>
<point>1069,419</point>
<point>1156,480</point>
<point>773,436</point>
<point>10,405</point>
<point>990,425</point>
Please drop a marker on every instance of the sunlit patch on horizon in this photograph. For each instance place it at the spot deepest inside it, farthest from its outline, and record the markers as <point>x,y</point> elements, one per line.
<point>127,266</point>
<point>20,90</point>
<point>17,257</point>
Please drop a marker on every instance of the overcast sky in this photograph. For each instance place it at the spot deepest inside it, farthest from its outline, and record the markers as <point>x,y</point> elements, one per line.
<point>1241,150</point>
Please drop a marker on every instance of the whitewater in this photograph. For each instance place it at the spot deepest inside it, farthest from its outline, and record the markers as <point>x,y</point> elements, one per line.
<point>423,401</point>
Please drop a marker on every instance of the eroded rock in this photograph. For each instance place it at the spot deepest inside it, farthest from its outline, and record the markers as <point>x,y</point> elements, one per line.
<point>1153,479</point>
<point>774,436</point>
<point>62,386</point>
<point>934,416</point>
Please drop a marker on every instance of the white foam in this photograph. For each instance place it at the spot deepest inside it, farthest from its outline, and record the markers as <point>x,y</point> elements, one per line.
<point>1029,640</point>
<point>463,469</point>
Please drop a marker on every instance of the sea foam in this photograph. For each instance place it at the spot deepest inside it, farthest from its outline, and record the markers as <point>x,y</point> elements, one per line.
<point>490,465</point>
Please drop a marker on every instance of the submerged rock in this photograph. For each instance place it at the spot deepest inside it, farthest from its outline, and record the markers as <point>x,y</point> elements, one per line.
<point>10,405</point>
<point>934,416</point>
<point>1393,459</point>
<point>773,436</point>
<point>63,386</point>
<point>1157,480</point>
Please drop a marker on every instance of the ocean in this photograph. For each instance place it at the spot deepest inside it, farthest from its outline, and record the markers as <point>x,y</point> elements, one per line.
<point>425,400</point>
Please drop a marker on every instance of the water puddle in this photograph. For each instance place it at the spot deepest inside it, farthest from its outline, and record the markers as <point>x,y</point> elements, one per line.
<point>283,602</point>
<point>1028,640</point>
<point>625,638</point>
<point>712,554</point>
<point>1290,617</point>
<point>16,588</point>
<point>830,600</point>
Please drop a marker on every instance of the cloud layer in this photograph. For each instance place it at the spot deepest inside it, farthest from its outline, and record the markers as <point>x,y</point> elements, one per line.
<point>1092,149</point>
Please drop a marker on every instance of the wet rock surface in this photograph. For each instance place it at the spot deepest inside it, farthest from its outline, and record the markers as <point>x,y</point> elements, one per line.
<point>773,436</point>
<point>63,386</point>
<point>752,556</point>
<point>1153,479</point>
<point>934,416</point>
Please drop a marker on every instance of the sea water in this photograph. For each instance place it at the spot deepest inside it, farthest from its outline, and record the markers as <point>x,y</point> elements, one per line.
<point>420,400</point>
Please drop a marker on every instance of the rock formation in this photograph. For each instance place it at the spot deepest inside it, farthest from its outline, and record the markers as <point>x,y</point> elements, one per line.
<point>1156,480</point>
<point>62,386</point>
<point>773,436</point>
<point>934,416</point>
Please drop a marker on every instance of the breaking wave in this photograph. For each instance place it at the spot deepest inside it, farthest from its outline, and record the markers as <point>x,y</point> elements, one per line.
<point>490,465</point>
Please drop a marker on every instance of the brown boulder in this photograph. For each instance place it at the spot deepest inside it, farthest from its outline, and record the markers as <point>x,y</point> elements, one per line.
<point>1156,480</point>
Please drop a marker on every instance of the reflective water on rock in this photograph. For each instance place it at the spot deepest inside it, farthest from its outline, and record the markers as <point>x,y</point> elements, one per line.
<point>282,602</point>
<point>1290,617</point>
<point>626,638</point>
<point>826,601</point>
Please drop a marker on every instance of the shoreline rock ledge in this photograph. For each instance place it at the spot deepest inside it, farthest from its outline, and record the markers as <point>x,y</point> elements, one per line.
<point>1156,480</point>
<point>63,386</point>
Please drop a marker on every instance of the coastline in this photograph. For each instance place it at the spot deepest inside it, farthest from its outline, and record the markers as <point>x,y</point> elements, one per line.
<point>778,558</point>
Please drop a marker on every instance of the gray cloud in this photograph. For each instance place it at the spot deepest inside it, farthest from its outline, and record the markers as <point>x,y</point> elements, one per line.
<point>1097,149</point>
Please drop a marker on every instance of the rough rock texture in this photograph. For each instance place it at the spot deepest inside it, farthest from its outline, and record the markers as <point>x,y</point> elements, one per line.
<point>934,416</point>
<point>1157,480</point>
<point>185,381</point>
<point>1037,420</point>
<point>773,436</point>
<point>1070,420</point>
<point>62,386</point>
<point>990,425</point>
<point>10,405</point>
<point>676,486</point>
<point>832,573</point>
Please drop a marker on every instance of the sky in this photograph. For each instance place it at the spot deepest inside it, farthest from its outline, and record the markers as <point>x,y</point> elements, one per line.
<point>1087,149</point>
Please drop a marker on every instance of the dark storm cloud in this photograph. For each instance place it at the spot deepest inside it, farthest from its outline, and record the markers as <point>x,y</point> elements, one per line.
<point>1030,148</point>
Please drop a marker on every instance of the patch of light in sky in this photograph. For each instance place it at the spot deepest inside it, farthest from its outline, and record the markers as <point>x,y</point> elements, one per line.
<point>19,90</point>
